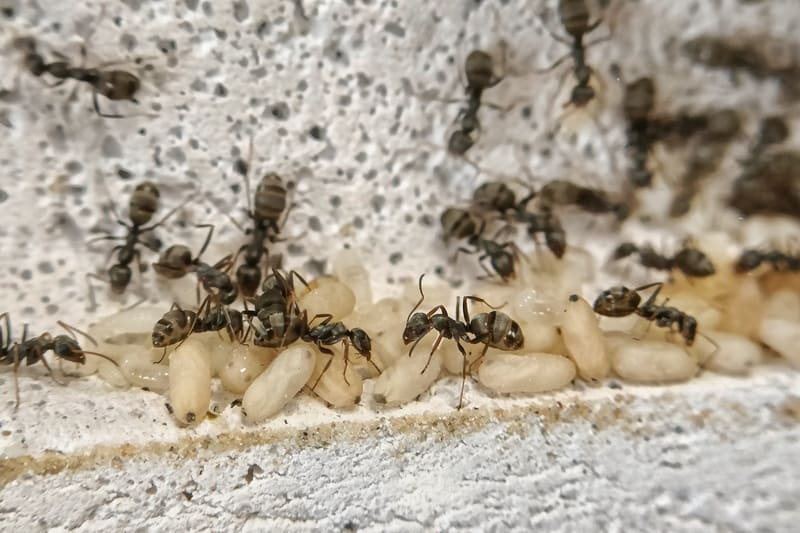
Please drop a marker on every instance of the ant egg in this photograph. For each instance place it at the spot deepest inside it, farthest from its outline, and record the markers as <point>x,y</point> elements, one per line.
<point>349,269</point>
<point>584,340</point>
<point>328,296</point>
<point>539,337</point>
<point>338,387</point>
<point>279,383</point>
<point>652,361</point>
<point>245,363</point>
<point>404,380</point>
<point>525,373</point>
<point>736,354</point>
<point>219,348</point>
<point>531,305</point>
<point>190,381</point>
<point>783,336</point>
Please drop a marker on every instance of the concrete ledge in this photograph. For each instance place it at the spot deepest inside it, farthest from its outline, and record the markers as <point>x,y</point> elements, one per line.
<point>715,453</point>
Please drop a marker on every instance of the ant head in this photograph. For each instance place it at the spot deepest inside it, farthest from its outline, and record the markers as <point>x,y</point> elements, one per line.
<point>458,223</point>
<point>582,94</point>
<point>617,301</point>
<point>693,262</point>
<point>175,262</point>
<point>479,68</point>
<point>416,326</point>
<point>556,241</point>
<point>248,278</point>
<point>162,333</point>
<point>494,195</point>
<point>624,250</point>
<point>143,203</point>
<point>503,264</point>
<point>119,276</point>
<point>460,142</point>
<point>773,130</point>
<point>361,342</point>
<point>749,260</point>
<point>120,85</point>
<point>68,349</point>
<point>640,98</point>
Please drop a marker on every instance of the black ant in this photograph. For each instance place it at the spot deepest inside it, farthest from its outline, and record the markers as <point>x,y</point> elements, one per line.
<point>574,16</point>
<point>113,84</point>
<point>544,222</point>
<point>141,208</point>
<point>31,351</point>
<point>620,301</point>
<point>778,261</point>
<point>277,311</point>
<point>638,105</point>
<point>591,200</point>
<point>493,329</point>
<point>459,223</point>
<point>270,206</point>
<point>177,324</point>
<point>691,261</point>
<point>177,261</point>
<point>706,155</point>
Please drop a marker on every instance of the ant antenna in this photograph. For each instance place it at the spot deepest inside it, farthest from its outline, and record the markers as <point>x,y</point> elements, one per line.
<point>422,297</point>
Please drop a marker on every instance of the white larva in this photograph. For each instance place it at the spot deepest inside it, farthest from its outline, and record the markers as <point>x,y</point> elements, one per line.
<point>783,336</point>
<point>584,340</point>
<point>329,296</point>
<point>652,362</point>
<point>244,364</point>
<point>279,383</point>
<point>190,381</point>
<point>332,387</point>
<point>453,361</point>
<point>783,304</point>
<point>736,354</point>
<point>349,269</point>
<point>219,346</point>
<point>526,373</point>
<point>403,381</point>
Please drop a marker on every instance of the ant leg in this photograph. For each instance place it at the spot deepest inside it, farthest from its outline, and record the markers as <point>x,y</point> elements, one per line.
<point>16,369</point>
<point>430,357</point>
<point>462,250</point>
<point>326,351</point>
<point>92,300</point>
<point>293,273</point>
<point>100,113</point>
<point>652,298</point>
<point>481,300</point>
<point>480,357</point>
<point>52,374</point>
<point>346,360</point>
<point>489,273</point>
<point>326,318</point>
<point>208,238</point>
<point>440,307</point>
<point>463,373</point>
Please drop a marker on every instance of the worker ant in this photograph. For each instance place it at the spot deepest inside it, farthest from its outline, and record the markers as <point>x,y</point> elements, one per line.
<point>778,261</point>
<point>574,16</point>
<point>620,301</point>
<point>31,351</point>
<point>493,329</point>
<point>142,206</point>
<point>460,223</point>
<point>113,84</point>
<point>638,104</point>
<point>691,261</point>
<point>269,207</point>
<point>177,261</point>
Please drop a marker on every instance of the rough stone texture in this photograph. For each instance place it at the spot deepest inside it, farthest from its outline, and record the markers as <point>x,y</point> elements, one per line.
<point>326,90</point>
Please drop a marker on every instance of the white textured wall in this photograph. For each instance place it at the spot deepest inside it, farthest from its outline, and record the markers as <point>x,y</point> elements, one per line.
<point>225,70</point>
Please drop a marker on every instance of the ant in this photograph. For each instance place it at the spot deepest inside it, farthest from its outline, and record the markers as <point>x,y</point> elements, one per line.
<point>460,223</point>
<point>113,84</point>
<point>591,200</point>
<point>177,324</point>
<point>547,223</point>
<point>177,261</point>
<point>270,206</point>
<point>779,261</point>
<point>65,347</point>
<point>638,105</point>
<point>574,16</point>
<point>620,301</point>
<point>479,70</point>
<point>493,329</point>
<point>691,261</point>
<point>327,333</point>
<point>706,155</point>
<point>141,208</point>
<point>277,310</point>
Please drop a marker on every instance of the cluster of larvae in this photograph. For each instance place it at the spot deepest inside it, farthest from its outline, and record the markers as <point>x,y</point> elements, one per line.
<point>563,339</point>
